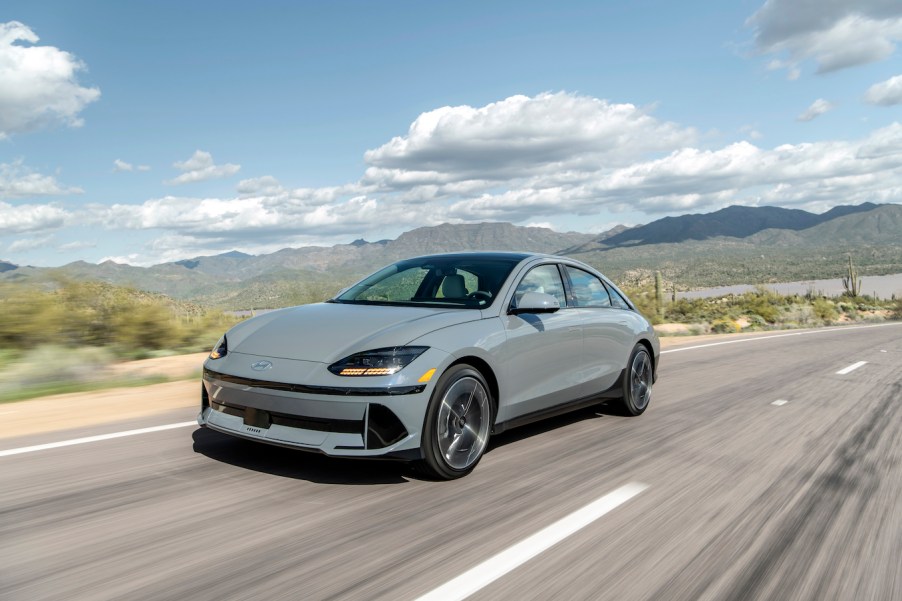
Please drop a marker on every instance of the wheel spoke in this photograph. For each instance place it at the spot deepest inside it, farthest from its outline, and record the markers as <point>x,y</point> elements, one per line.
<point>462,428</point>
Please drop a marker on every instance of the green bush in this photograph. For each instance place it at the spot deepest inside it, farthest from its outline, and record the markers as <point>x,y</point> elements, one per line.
<point>74,314</point>
<point>824,309</point>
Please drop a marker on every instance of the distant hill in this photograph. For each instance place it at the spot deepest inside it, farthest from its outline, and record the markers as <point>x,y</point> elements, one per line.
<point>736,245</point>
<point>734,222</point>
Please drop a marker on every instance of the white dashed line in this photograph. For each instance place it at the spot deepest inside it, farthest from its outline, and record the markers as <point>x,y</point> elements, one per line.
<point>779,402</point>
<point>74,441</point>
<point>851,368</point>
<point>495,567</point>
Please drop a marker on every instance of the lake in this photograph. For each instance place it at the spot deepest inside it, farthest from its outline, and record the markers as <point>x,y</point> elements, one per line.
<point>883,286</point>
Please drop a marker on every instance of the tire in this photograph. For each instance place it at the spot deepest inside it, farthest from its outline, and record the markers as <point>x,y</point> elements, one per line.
<point>450,448</point>
<point>637,382</point>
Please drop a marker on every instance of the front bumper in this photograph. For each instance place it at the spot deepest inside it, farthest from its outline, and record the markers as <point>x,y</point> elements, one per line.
<point>344,420</point>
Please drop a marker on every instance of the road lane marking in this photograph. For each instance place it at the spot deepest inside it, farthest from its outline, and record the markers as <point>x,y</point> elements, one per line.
<point>497,566</point>
<point>74,441</point>
<point>851,368</point>
<point>805,333</point>
<point>779,402</point>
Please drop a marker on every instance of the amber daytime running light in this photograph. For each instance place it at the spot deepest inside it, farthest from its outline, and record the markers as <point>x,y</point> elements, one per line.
<point>378,362</point>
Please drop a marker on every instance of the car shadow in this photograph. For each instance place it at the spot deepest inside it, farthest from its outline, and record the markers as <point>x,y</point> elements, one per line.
<point>607,409</point>
<point>296,464</point>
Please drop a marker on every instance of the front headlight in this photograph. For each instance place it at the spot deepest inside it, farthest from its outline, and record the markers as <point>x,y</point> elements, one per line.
<point>221,349</point>
<point>378,362</point>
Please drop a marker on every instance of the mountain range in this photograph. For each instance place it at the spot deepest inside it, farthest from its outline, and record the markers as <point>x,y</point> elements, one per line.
<point>733,245</point>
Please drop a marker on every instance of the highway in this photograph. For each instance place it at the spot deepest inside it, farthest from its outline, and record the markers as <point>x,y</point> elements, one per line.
<point>719,491</point>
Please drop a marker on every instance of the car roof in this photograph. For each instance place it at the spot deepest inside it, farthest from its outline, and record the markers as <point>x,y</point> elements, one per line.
<point>517,256</point>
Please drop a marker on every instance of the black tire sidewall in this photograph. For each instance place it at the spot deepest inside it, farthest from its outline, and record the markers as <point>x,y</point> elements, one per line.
<point>433,460</point>
<point>629,403</point>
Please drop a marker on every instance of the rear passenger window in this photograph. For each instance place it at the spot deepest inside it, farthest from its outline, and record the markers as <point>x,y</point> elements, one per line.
<point>617,300</point>
<point>588,290</point>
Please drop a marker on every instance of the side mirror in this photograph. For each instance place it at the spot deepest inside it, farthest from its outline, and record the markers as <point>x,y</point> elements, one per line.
<point>536,302</point>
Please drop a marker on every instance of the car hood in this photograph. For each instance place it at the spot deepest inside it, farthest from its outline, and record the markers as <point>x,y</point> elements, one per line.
<point>327,332</point>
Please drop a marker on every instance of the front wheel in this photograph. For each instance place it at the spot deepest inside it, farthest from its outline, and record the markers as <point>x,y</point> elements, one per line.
<point>637,381</point>
<point>457,425</point>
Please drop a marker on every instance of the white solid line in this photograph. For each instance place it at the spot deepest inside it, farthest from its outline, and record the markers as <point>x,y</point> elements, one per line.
<point>805,333</point>
<point>779,402</point>
<point>67,443</point>
<point>851,368</point>
<point>495,567</point>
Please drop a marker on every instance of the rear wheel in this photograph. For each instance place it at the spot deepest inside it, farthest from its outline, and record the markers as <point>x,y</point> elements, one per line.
<point>457,425</point>
<point>637,381</point>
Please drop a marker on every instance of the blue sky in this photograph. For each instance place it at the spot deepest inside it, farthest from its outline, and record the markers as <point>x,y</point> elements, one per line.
<point>146,132</point>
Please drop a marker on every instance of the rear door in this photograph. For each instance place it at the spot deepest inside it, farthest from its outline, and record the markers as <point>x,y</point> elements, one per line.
<point>607,324</point>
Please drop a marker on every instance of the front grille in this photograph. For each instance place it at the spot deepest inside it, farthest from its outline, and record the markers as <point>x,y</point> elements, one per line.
<point>263,419</point>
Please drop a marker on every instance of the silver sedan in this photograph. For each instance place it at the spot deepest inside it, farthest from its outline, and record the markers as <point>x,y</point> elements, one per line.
<point>427,358</point>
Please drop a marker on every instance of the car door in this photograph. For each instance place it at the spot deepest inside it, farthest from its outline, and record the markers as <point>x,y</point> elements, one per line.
<point>542,352</point>
<point>608,326</point>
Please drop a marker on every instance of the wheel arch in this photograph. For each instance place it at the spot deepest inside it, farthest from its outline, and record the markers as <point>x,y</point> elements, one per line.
<point>487,372</point>
<point>651,354</point>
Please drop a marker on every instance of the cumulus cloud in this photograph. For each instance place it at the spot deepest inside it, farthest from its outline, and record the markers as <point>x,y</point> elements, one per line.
<point>886,93</point>
<point>516,137</point>
<point>200,167</point>
<point>18,181</point>
<point>817,108</point>
<point>31,218</point>
<point>120,165</point>
<point>835,34</point>
<point>426,178</point>
<point>38,84</point>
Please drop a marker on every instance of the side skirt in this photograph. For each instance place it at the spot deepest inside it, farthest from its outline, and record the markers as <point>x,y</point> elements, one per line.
<point>614,392</point>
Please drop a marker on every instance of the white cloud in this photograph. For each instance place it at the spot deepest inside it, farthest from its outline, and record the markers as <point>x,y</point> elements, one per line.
<point>31,218</point>
<point>38,85</point>
<point>77,245</point>
<point>428,178</point>
<point>516,137</point>
<point>18,181</point>
<point>25,244</point>
<point>836,34</point>
<point>886,93</point>
<point>200,167</point>
<point>751,131</point>
<point>120,165</point>
<point>817,108</point>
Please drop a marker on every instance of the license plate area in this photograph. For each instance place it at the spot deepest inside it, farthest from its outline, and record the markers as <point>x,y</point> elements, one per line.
<point>257,418</point>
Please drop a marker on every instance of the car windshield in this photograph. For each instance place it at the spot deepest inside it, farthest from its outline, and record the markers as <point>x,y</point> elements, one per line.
<point>459,281</point>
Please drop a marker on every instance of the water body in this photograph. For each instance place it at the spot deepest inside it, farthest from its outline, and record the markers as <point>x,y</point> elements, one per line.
<point>883,286</point>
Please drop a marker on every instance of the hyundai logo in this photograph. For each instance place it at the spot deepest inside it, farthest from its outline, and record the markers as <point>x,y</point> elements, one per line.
<point>261,365</point>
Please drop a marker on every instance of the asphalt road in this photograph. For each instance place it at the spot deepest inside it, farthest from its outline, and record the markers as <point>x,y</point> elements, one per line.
<point>743,499</point>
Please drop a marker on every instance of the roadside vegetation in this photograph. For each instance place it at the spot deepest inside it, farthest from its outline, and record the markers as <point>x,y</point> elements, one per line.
<point>64,337</point>
<point>761,309</point>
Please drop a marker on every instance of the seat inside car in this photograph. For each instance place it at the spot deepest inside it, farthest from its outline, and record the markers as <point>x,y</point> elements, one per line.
<point>453,286</point>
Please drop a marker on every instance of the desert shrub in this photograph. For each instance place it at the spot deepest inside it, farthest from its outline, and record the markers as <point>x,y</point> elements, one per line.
<point>824,309</point>
<point>74,314</point>
<point>724,326</point>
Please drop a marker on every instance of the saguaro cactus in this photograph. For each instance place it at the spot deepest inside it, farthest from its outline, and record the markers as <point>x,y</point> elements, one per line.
<point>851,282</point>
<point>659,294</point>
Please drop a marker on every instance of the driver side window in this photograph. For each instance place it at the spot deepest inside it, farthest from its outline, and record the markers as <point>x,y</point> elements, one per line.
<point>544,278</point>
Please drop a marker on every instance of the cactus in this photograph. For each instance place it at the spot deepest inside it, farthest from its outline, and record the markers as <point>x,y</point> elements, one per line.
<point>851,282</point>
<point>659,294</point>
